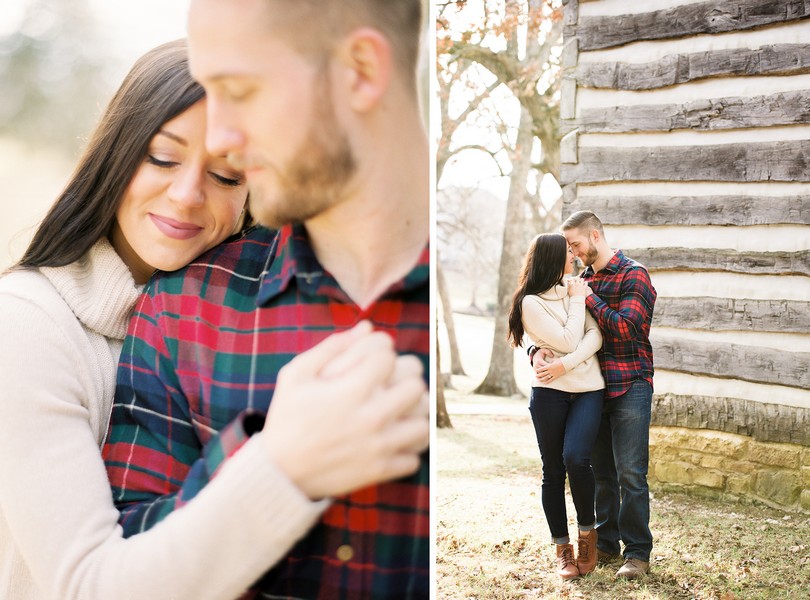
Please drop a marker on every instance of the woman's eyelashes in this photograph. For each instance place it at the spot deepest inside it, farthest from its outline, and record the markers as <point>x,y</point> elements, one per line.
<point>163,164</point>
<point>226,180</point>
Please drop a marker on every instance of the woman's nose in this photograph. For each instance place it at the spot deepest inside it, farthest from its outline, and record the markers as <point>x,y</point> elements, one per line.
<point>187,187</point>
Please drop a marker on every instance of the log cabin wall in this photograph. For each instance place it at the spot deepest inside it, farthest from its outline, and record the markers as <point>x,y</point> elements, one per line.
<point>686,128</point>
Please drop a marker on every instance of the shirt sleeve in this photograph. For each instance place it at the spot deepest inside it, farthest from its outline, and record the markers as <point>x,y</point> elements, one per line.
<point>56,498</point>
<point>635,306</point>
<point>548,331</point>
<point>588,346</point>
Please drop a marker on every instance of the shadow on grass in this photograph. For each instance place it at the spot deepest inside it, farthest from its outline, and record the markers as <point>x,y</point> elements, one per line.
<point>490,452</point>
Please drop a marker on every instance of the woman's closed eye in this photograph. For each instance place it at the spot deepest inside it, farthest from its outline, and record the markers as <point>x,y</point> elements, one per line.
<point>227,180</point>
<point>163,164</point>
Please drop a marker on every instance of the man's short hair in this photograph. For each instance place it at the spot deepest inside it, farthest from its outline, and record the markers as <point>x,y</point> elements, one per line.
<point>584,220</point>
<point>312,26</point>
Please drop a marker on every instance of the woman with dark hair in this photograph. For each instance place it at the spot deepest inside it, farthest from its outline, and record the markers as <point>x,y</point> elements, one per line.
<point>566,400</point>
<point>145,195</point>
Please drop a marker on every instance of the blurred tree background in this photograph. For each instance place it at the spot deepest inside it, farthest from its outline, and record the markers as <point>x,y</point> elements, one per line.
<point>52,69</point>
<point>498,80</point>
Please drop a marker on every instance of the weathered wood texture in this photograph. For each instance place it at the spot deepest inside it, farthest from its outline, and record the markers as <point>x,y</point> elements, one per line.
<point>763,421</point>
<point>691,210</point>
<point>718,259</point>
<point>778,59</point>
<point>597,32</point>
<point>732,314</point>
<point>735,361</point>
<point>570,18</point>
<point>737,112</point>
<point>768,161</point>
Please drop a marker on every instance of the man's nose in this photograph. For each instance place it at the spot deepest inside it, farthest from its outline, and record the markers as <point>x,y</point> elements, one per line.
<point>222,135</point>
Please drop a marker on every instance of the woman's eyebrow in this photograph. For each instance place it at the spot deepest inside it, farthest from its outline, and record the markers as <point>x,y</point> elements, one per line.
<point>174,137</point>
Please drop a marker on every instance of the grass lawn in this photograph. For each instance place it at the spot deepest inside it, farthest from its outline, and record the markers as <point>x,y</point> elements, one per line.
<point>493,541</point>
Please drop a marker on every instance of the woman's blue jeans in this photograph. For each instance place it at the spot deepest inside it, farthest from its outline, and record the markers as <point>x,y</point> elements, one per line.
<point>566,425</point>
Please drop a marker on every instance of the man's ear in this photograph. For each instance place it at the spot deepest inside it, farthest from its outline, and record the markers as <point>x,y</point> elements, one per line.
<point>595,236</point>
<point>366,62</point>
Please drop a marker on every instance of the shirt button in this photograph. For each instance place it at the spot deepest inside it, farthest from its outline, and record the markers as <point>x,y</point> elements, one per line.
<point>345,553</point>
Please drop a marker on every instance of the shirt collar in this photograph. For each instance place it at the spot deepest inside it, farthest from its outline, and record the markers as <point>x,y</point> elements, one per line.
<point>293,259</point>
<point>612,267</point>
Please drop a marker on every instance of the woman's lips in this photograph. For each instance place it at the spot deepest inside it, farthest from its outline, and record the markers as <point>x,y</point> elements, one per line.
<point>175,229</point>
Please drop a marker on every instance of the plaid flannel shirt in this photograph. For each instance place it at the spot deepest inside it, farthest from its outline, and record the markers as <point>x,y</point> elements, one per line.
<point>622,304</point>
<point>203,351</point>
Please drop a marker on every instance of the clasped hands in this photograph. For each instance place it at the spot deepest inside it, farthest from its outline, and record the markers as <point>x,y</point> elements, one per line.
<point>546,367</point>
<point>348,413</point>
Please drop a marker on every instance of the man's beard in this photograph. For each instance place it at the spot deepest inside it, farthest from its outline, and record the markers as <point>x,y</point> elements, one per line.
<point>591,255</point>
<point>315,178</point>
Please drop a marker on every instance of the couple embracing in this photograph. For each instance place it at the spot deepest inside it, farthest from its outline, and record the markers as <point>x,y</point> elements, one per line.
<point>592,392</point>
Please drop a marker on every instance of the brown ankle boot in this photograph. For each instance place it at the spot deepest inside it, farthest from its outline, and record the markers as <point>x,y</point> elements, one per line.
<point>586,552</point>
<point>566,565</point>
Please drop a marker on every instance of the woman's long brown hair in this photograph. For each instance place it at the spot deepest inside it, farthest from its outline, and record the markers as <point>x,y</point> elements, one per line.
<point>543,268</point>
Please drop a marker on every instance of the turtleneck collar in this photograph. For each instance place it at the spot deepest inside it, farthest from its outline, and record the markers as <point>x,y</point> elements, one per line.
<point>99,289</point>
<point>554,293</point>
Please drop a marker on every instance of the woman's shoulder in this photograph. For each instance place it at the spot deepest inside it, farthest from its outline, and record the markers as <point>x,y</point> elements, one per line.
<point>27,295</point>
<point>26,283</point>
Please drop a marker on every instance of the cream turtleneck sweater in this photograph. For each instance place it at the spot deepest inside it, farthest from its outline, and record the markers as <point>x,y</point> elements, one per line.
<point>561,323</point>
<point>61,331</point>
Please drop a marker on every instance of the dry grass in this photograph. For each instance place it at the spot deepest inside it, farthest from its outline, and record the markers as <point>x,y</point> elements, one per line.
<point>493,541</point>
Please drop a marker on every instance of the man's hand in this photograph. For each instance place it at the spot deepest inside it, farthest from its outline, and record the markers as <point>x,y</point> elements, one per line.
<point>541,357</point>
<point>347,414</point>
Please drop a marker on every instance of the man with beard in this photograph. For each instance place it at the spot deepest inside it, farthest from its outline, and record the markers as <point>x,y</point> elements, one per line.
<point>621,300</point>
<point>317,102</point>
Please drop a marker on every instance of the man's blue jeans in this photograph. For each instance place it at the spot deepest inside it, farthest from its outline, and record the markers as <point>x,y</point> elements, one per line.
<point>566,426</point>
<point>620,459</point>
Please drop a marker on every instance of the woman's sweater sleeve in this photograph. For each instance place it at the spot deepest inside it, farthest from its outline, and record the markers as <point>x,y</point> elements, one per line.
<point>56,499</point>
<point>588,346</point>
<point>546,329</point>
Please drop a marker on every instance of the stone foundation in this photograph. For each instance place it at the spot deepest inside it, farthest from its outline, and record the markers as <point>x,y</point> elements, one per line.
<point>727,465</point>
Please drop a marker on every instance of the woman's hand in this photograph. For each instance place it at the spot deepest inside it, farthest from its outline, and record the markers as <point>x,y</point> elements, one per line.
<point>550,371</point>
<point>578,287</point>
<point>347,414</point>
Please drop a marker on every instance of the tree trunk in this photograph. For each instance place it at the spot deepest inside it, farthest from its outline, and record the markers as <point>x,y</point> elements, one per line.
<point>442,416</point>
<point>500,380</point>
<point>447,313</point>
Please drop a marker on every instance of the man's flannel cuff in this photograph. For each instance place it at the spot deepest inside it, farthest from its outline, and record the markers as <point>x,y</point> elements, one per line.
<point>231,438</point>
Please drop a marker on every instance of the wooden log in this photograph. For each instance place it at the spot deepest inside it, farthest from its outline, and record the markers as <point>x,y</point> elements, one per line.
<point>674,69</point>
<point>765,161</point>
<point>692,210</point>
<point>783,108</point>
<point>763,421</point>
<point>595,32</point>
<point>724,260</point>
<point>570,18</point>
<point>733,361</point>
<point>732,314</point>
<point>570,54</point>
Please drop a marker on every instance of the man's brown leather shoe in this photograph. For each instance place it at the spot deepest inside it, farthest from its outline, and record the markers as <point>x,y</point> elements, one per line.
<point>586,552</point>
<point>633,568</point>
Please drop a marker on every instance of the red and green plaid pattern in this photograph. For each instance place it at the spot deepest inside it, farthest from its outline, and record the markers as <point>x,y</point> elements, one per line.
<point>622,304</point>
<point>198,370</point>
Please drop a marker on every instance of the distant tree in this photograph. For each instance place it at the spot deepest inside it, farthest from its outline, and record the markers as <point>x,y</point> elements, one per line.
<point>50,69</point>
<point>517,44</point>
